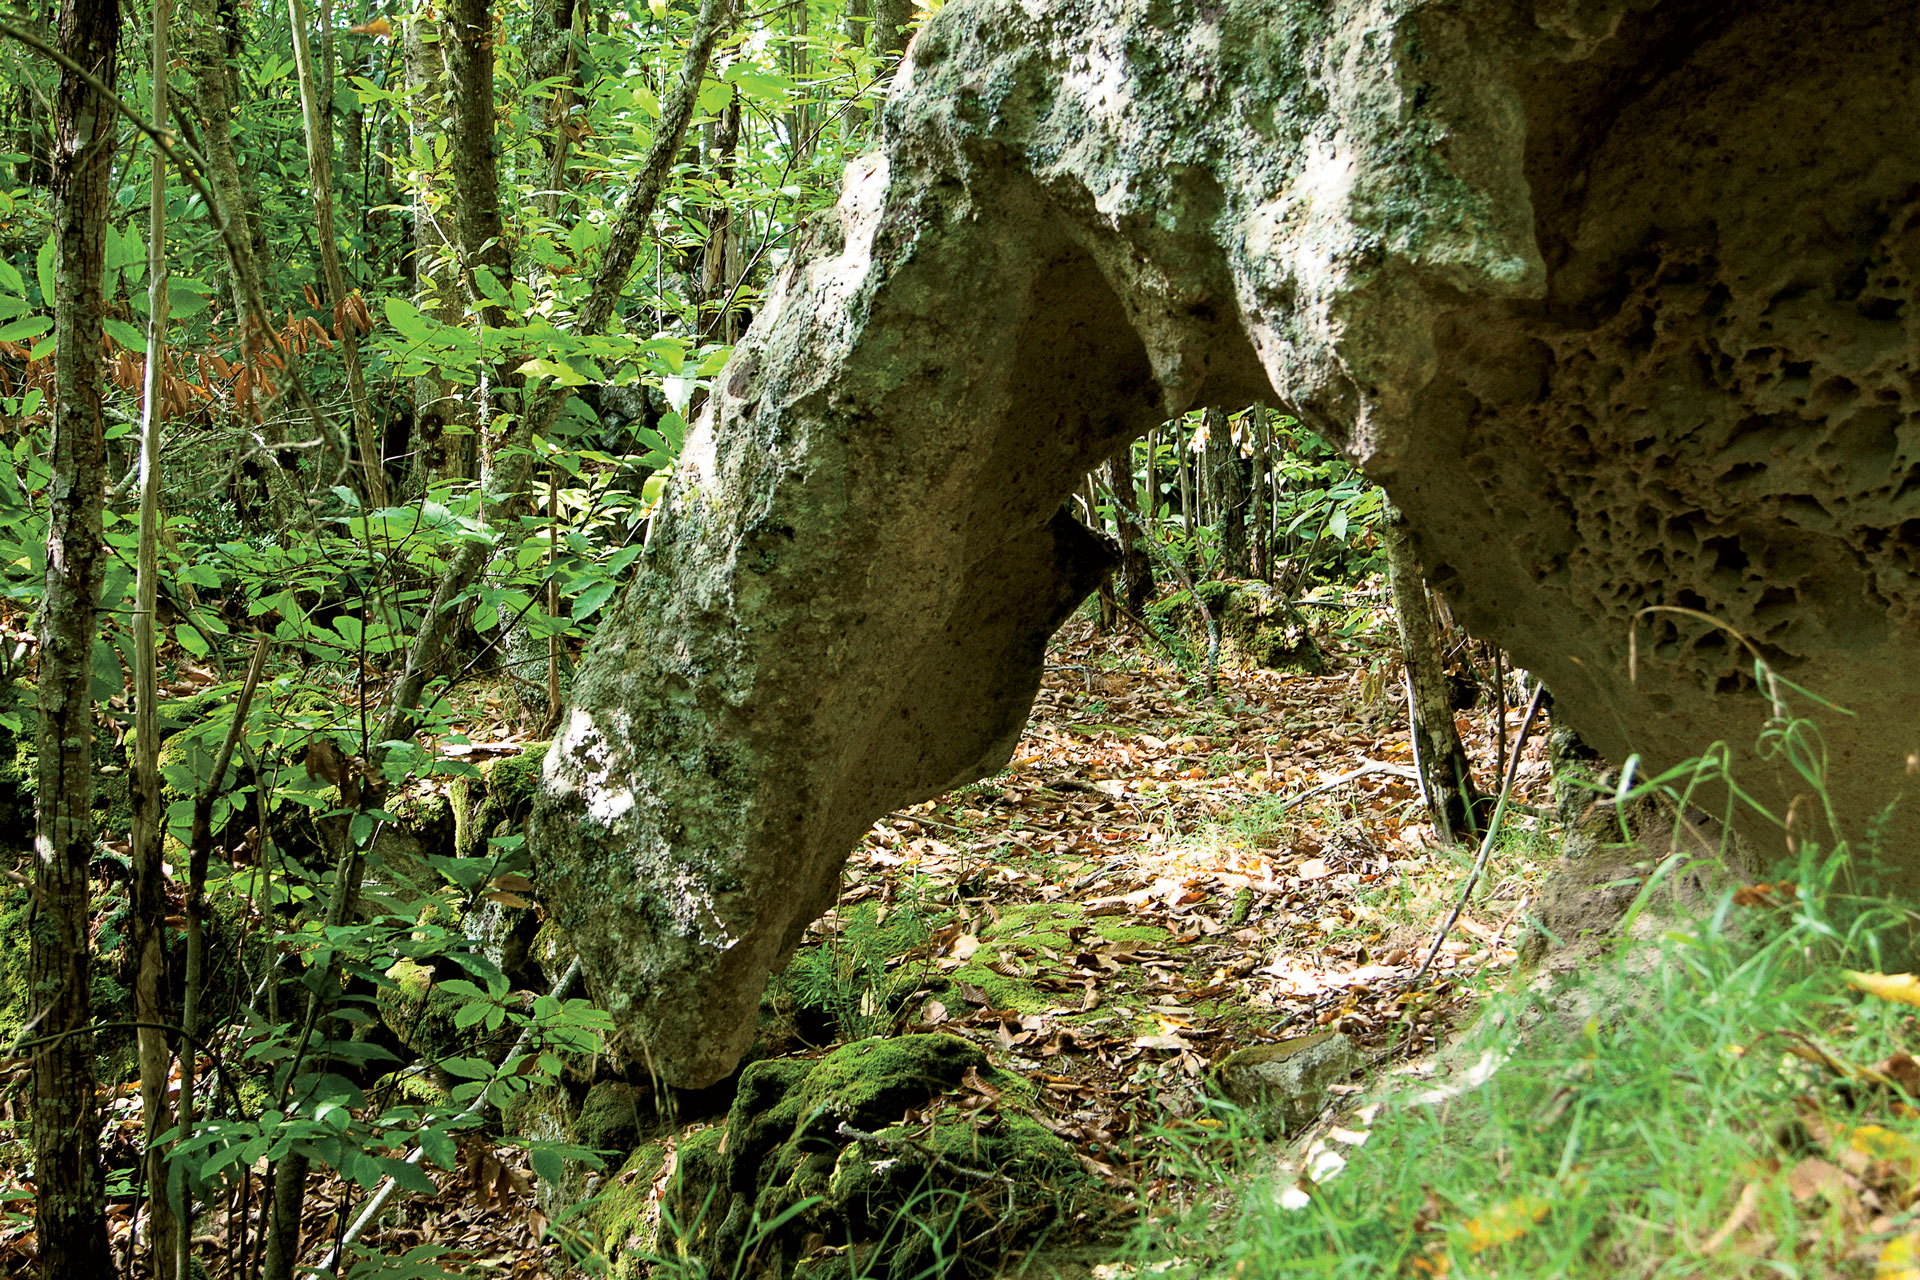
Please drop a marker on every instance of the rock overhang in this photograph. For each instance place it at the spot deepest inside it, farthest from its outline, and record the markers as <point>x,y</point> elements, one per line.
<point>1518,261</point>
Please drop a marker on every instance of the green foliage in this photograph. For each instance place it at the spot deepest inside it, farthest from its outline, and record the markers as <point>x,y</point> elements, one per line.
<point>857,973</point>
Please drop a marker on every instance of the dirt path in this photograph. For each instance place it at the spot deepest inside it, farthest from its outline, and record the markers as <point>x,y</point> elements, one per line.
<point>1138,895</point>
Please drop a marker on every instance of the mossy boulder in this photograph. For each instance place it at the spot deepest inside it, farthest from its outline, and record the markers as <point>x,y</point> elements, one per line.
<point>1283,1086</point>
<point>897,1149</point>
<point>625,1217</point>
<point>1258,627</point>
<point>425,1018</point>
<point>605,1120</point>
<point>496,801</point>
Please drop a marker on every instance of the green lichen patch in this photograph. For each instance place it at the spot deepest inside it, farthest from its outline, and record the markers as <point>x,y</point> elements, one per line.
<point>1063,926</point>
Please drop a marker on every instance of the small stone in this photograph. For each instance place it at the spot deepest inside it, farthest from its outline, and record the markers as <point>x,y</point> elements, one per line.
<point>1284,1085</point>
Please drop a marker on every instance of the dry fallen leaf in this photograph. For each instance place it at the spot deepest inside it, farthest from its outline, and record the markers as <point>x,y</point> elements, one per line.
<point>1504,1222</point>
<point>1902,988</point>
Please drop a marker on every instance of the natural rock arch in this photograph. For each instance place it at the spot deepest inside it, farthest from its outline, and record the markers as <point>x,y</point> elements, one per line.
<point>1555,273</point>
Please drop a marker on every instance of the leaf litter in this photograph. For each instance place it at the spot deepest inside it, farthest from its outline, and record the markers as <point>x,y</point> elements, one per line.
<point>1144,879</point>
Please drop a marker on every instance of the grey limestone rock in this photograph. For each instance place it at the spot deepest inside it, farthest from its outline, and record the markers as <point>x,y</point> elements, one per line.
<point>1615,296</point>
<point>1285,1085</point>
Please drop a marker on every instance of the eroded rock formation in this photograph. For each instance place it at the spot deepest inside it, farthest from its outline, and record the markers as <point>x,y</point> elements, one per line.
<point>1616,298</point>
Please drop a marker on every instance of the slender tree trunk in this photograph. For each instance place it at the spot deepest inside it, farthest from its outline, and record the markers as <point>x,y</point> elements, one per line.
<point>69,1209</point>
<point>149,899</point>
<point>891,19</point>
<point>1136,568</point>
<point>1183,455</point>
<point>468,44</point>
<point>1257,550</point>
<point>316,113</point>
<point>31,135</point>
<point>799,116</point>
<point>1445,775</point>
<point>720,264</point>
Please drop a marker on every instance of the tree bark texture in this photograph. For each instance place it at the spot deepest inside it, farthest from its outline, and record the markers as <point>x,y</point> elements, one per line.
<point>1134,582</point>
<point>890,21</point>
<point>69,1210</point>
<point>316,111</point>
<point>1445,774</point>
<point>442,441</point>
<point>468,44</point>
<point>148,913</point>
<point>1226,474</point>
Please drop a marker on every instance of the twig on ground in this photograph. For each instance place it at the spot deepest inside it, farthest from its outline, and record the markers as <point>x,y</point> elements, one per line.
<point>1370,767</point>
<point>1487,842</point>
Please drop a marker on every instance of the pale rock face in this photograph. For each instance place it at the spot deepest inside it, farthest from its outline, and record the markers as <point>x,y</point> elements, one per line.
<point>1285,1085</point>
<point>1616,298</point>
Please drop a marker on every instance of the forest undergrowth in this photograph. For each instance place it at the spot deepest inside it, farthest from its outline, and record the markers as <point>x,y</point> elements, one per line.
<point>1162,877</point>
<point>1157,879</point>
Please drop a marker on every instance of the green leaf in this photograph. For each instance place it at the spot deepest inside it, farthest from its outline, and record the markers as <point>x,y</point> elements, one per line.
<point>440,1147</point>
<point>488,285</point>
<point>562,373</point>
<point>186,297</point>
<point>757,84</point>
<point>10,279</point>
<point>467,1068</point>
<point>22,330</point>
<point>190,640</point>
<point>409,1176</point>
<point>126,335</point>
<point>43,268</point>
<point>588,602</point>
<point>547,1165</point>
<point>403,316</point>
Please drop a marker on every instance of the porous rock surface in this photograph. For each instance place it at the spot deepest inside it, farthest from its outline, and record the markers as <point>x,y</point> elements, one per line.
<point>1615,297</point>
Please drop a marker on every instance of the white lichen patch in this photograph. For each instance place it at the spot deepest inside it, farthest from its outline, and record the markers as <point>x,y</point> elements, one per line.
<point>582,761</point>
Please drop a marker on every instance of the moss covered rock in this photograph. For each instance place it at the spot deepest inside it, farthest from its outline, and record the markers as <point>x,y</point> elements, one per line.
<point>496,802</point>
<point>866,1150</point>
<point>425,1018</point>
<point>1258,628</point>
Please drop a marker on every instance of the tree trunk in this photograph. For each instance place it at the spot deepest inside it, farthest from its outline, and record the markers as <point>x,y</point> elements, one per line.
<point>316,112</point>
<point>1445,775</point>
<point>69,1206</point>
<point>1257,551</point>
<point>442,441</point>
<point>1226,477</point>
<point>891,19</point>
<point>468,44</point>
<point>720,264</point>
<point>148,907</point>
<point>799,115</point>
<point>1135,579</point>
